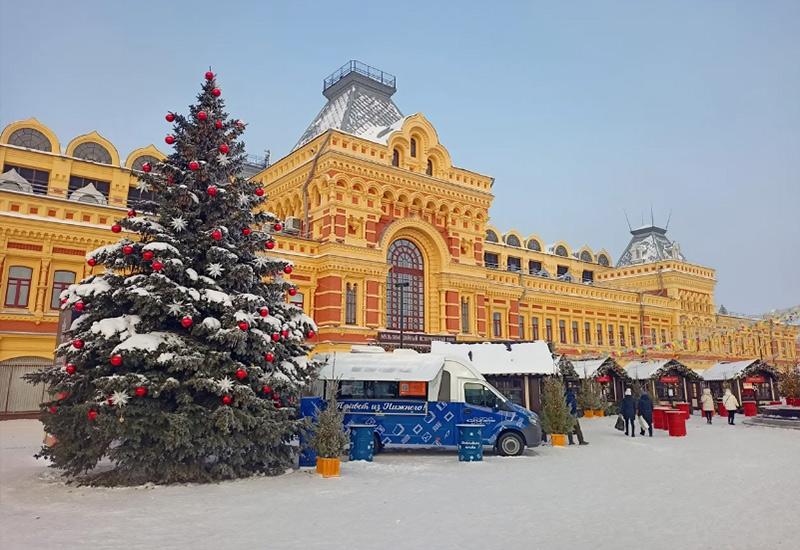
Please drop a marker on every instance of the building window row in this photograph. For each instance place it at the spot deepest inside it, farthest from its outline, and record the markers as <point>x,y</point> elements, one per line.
<point>18,286</point>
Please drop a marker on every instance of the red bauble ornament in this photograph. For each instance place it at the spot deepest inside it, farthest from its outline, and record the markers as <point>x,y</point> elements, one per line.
<point>264,311</point>
<point>140,391</point>
<point>218,124</point>
<point>170,180</point>
<point>202,115</point>
<point>146,167</point>
<point>241,374</point>
<point>157,265</point>
<point>170,117</point>
<point>276,337</point>
<point>285,333</point>
<point>91,415</point>
<point>310,334</point>
<point>209,75</point>
<point>227,399</point>
<point>70,368</point>
<point>63,301</point>
<point>92,262</point>
<point>116,359</point>
<point>216,235</point>
<point>131,213</point>
<point>148,255</point>
<point>216,92</point>
<point>127,249</point>
<point>79,306</point>
<point>246,231</point>
<point>212,190</point>
<point>186,322</point>
<point>243,325</point>
<point>224,149</point>
<point>110,401</point>
<point>77,343</point>
<point>169,140</point>
<point>292,291</point>
<point>116,228</point>
<point>62,395</point>
<point>277,227</point>
<point>260,191</point>
<point>53,410</point>
<point>194,166</point>
<point>288,269</point>
<point>266,389</point>
<point>269,356</point>
<point>270,245</point>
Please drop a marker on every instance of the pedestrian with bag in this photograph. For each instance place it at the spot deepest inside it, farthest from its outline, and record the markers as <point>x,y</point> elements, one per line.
<point>628,410</point>
<point>645,409</point>
<point>572,401</point>
<point>730,403</point>
<point>707,401</point>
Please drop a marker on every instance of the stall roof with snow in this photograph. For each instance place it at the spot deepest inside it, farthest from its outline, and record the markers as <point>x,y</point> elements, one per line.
<point>645,370</point>
<point>589,368</point>
<point>736,369</point>
<point>497,359</point>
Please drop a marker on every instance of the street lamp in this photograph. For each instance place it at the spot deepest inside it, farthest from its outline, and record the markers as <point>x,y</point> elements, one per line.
<point>401,286</point>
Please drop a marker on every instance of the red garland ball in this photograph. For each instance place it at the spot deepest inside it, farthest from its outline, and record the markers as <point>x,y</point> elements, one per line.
<point>224,149</point>
<point>169,140</point>
<point>110,401</point>
<point>209,75</point>
<point>276,337</point>
<point>270,245</point>
<point>264,311</point>
<point>246,231</point>
<point>266,389</point>
<point>70,368</point>
<point>186,322</point>
<point>53,410</point>
<point>212,190</point>
<point>157,265</point>
<point>216,92</point>
<point>269,356</point>
<point>277,227</point>
<point>292,291</point>
<point>140,391</point>
<point>202,115</point>
<point>227,400</point>
<point>243,325</point>
<point>131,213</point>
<point>91,415</point>
<point>216,235</point>
<point>116,228</point>
<point>146,167</point>
<point>218,124</point>
<point>288,269</point>
<point>260,191</point>
<point>194,166</point>
<point>310,334</point>
<point>77,343</point>
<point>92,262</point>
<point>79,306</point>
<point>127,250</point>
<point>170,117</point>
<point>170,180</point>
<point>285,333</point>
<point>241,374</point>
<point>116,360</point>
<point>148,255</point>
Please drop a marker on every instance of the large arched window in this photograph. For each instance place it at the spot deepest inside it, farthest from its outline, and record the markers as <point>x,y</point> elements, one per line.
<point>491,236</point>
<point>30,138</point>
<point>602,259</point>
<point>533,244</point>
<point>137,164</point>
<point>561,251</point>
<point>586,256</point>
<point>92,151</point>
<point>405,289</point>
<point>512,240</point>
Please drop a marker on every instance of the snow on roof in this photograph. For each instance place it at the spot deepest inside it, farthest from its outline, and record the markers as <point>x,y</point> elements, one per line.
<point>642,370</point>
<point>395,367</point>
<point>12,180</point>
<point>489,358</point>
<point>649,244</point>
<point>726,370</point>
<point>587,368</point>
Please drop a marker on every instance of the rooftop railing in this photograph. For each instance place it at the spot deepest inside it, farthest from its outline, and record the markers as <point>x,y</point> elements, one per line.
<point>354,66</point>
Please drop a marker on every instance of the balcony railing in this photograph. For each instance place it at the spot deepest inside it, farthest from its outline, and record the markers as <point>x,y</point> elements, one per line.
<point>354,66</point>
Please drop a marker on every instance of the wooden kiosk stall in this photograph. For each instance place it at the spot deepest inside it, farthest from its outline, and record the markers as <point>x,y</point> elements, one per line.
<point>612,377</point>
<point>751,380</point>
<point>668,381</point>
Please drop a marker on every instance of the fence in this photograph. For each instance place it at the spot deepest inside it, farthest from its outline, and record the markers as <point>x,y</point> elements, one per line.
<point>16,395</point>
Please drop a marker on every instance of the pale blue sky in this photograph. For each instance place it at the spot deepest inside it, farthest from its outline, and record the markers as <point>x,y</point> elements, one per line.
<point>580,110</point>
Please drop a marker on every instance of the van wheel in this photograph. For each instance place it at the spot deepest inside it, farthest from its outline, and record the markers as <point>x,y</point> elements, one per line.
<point>378,445</point>
<point>510,444</point>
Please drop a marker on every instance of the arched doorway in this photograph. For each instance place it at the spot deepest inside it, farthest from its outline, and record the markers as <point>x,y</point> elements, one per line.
<point>406,279</point>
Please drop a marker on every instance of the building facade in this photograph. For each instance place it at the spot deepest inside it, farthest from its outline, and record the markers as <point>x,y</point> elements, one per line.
<point>387,237</point>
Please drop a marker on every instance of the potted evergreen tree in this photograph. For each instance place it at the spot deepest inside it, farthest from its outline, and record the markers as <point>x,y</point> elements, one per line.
<point>329,440</point>
<point>789,386</point>
<point>556,418</point>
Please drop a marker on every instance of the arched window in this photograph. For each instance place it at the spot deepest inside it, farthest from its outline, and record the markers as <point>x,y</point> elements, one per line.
<point>30,138</point>
<point>429,169</point>
<point>561,251</point>
<point>586,256</point>
<point>602,259</point>
<point>61,281</point>
<point>413,147</point>
<point>351,293</point>
<point>396,157</point>
<point>405,289</point>
<point>137,164</point>
<point>512,240</point>
<point>19,286</point>
<point>92,151</point>
<point>491,236</point>
<point>533,244</point>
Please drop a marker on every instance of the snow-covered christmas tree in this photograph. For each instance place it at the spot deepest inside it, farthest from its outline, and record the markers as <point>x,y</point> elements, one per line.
<point>186,362</point>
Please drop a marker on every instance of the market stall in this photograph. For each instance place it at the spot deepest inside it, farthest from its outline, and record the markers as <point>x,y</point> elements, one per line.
<point>612,377</point>
<point>749,380</point>
<point>668,381</point>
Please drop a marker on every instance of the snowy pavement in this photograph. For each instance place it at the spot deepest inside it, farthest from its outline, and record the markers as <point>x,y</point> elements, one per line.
<point>720,487</point>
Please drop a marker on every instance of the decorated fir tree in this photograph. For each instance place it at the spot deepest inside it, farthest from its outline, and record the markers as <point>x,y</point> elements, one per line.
<point>789,383</point>
<point>556,417</point>
<point>185,362</point>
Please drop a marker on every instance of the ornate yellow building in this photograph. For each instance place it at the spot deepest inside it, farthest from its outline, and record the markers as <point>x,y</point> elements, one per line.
<point>386,234</point>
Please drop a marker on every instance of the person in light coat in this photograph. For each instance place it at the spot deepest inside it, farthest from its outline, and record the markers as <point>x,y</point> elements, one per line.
<point>707,401</point>
<point>730,403</point>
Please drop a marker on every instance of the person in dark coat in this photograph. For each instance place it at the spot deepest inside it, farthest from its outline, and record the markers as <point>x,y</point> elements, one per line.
<point>572,401</point>
<point>628,411</point>
<point>645,407</point>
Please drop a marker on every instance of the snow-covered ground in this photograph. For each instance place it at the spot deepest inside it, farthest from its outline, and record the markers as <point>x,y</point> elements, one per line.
<point>720,487</point>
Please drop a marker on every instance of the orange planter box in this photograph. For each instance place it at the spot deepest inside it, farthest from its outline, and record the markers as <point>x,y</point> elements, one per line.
<point>588,413</point>
<point>328,467</point>
<point>599,412</point>
<point>558,440</point>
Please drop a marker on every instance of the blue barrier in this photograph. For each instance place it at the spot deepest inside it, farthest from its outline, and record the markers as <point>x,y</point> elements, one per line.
<point>362,442</point>
<point>470,442</point>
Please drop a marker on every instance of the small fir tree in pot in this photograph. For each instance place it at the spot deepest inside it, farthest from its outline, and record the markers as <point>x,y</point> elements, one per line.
<point>556,417</point>
<point>329,440</point>
<point>789,384</point>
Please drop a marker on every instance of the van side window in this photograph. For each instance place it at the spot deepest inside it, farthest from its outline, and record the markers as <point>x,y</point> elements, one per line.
<point>444,387</point>
<point>376,389</point>
<point>479,395</point>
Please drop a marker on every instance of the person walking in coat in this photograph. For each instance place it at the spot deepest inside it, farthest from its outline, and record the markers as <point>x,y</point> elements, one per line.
<point>730,403</point>
<point>645,407</point>
<point>572,401</point>
<point>707,401</point>
<point>628,411</point>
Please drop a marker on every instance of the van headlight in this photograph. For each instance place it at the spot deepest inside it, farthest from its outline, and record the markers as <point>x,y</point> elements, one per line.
<point>534,419</point>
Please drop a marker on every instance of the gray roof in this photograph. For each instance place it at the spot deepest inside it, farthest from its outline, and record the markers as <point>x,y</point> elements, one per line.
<point>359,103</point>
<point>649,244</point>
